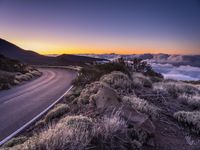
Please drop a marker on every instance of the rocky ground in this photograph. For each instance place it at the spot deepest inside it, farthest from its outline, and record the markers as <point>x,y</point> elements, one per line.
<point>116,109</point>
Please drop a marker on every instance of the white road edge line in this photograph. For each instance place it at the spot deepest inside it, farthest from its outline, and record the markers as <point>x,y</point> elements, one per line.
<point>34,119</point>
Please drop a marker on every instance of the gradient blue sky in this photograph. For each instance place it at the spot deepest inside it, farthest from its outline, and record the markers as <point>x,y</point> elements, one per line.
<point>102,26</point>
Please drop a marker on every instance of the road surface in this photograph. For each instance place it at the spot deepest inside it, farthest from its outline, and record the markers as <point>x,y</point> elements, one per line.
<point>22,103</point>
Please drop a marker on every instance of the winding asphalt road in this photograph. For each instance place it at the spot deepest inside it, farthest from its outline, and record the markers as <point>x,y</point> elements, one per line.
<point>22,103</point>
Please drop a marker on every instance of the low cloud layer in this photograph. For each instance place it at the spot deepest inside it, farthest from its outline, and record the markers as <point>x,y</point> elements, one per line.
<point>177,72</point>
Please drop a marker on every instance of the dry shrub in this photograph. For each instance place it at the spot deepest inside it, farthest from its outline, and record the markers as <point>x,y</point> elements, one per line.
<point>88,91</point>
<point>57,112</point>
<point>142,105</point>
<point>112,134</point>
<point>190,119</point>
<point>15,141</point>
<point>191,100</point>
<point>175,89</point>
<point>36,73</point>
<point>78,122</point>
<point>93,73</point>
<point>119,81</point>
<point>139,80</point>
<point>69,133</point>
<point>73,94</point>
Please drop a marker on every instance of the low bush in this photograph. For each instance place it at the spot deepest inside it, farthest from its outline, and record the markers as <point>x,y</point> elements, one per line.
<point>94,73</point>
<point>142,106</point>
<point>175,89</point>
<point>79,122</point>
<point>191,100</point>
<point>11,65</point>
<point>119,81</point>
<point>190,119</point>
<point>87,93</point>
<point>56,112</point>
<point>15,141</point>
<point>69,133</point>
<point>112,134</point>
<point>139,80</point>
<point>73,94</point>
<point>141,66</point>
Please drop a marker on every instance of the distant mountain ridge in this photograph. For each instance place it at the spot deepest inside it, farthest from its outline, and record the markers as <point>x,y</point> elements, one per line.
<point>12,51</point>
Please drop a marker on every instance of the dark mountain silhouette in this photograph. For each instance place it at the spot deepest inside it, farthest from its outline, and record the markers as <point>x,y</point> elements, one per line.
<point>12,51</point>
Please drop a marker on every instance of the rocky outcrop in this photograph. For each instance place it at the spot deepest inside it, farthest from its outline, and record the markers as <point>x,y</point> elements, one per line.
<point>99,95</point>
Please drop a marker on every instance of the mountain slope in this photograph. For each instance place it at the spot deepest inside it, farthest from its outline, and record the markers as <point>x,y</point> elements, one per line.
<point>12,51</point>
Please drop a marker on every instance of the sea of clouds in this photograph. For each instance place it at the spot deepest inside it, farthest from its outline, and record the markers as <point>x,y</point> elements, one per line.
<point>170,71</point>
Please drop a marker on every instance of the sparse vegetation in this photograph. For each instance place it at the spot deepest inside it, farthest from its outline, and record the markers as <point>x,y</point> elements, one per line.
<point>57,112</point>
<point>112,133</point>
<point>190,119</point>
<point>191,100</point>
<point>119,81</point>
<point>11,65</point>
<point>114,106</point>
<point>15,141</point>
<point>69,133</point>
<point>175,89</point>
<point>138,65</point>
<point>94,73</point>
<point>139,80</point>
<point>12,72</point>
<point>142,105</point>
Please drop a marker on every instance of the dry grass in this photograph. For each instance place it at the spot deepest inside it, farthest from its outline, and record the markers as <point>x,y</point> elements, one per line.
<point>191,100</point>
<point>190,119</point>
<point>175,89</point>
<point>69,133</point>
<point>79,133</point>
<point>112,134</point>
<point>57,112</point>
<point>73,93</point>
<point>15,141</point>
<point>142,106</point>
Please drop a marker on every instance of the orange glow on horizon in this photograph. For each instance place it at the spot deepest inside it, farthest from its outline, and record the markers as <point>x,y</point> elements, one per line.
<point>48,47</point>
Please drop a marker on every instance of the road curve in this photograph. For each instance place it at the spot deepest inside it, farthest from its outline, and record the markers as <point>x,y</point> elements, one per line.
<point>22,103</point>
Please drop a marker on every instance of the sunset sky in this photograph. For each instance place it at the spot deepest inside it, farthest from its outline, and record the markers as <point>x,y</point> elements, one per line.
<point>102,26</point>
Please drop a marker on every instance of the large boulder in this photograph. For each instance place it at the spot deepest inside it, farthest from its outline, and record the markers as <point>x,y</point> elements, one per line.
<point>100,95</point>
<point>105,97</point>
<point>136,119</point>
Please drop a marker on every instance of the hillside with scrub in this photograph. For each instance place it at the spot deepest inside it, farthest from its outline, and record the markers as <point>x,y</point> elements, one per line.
<point>119,106</point>
<point>14,72</point>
